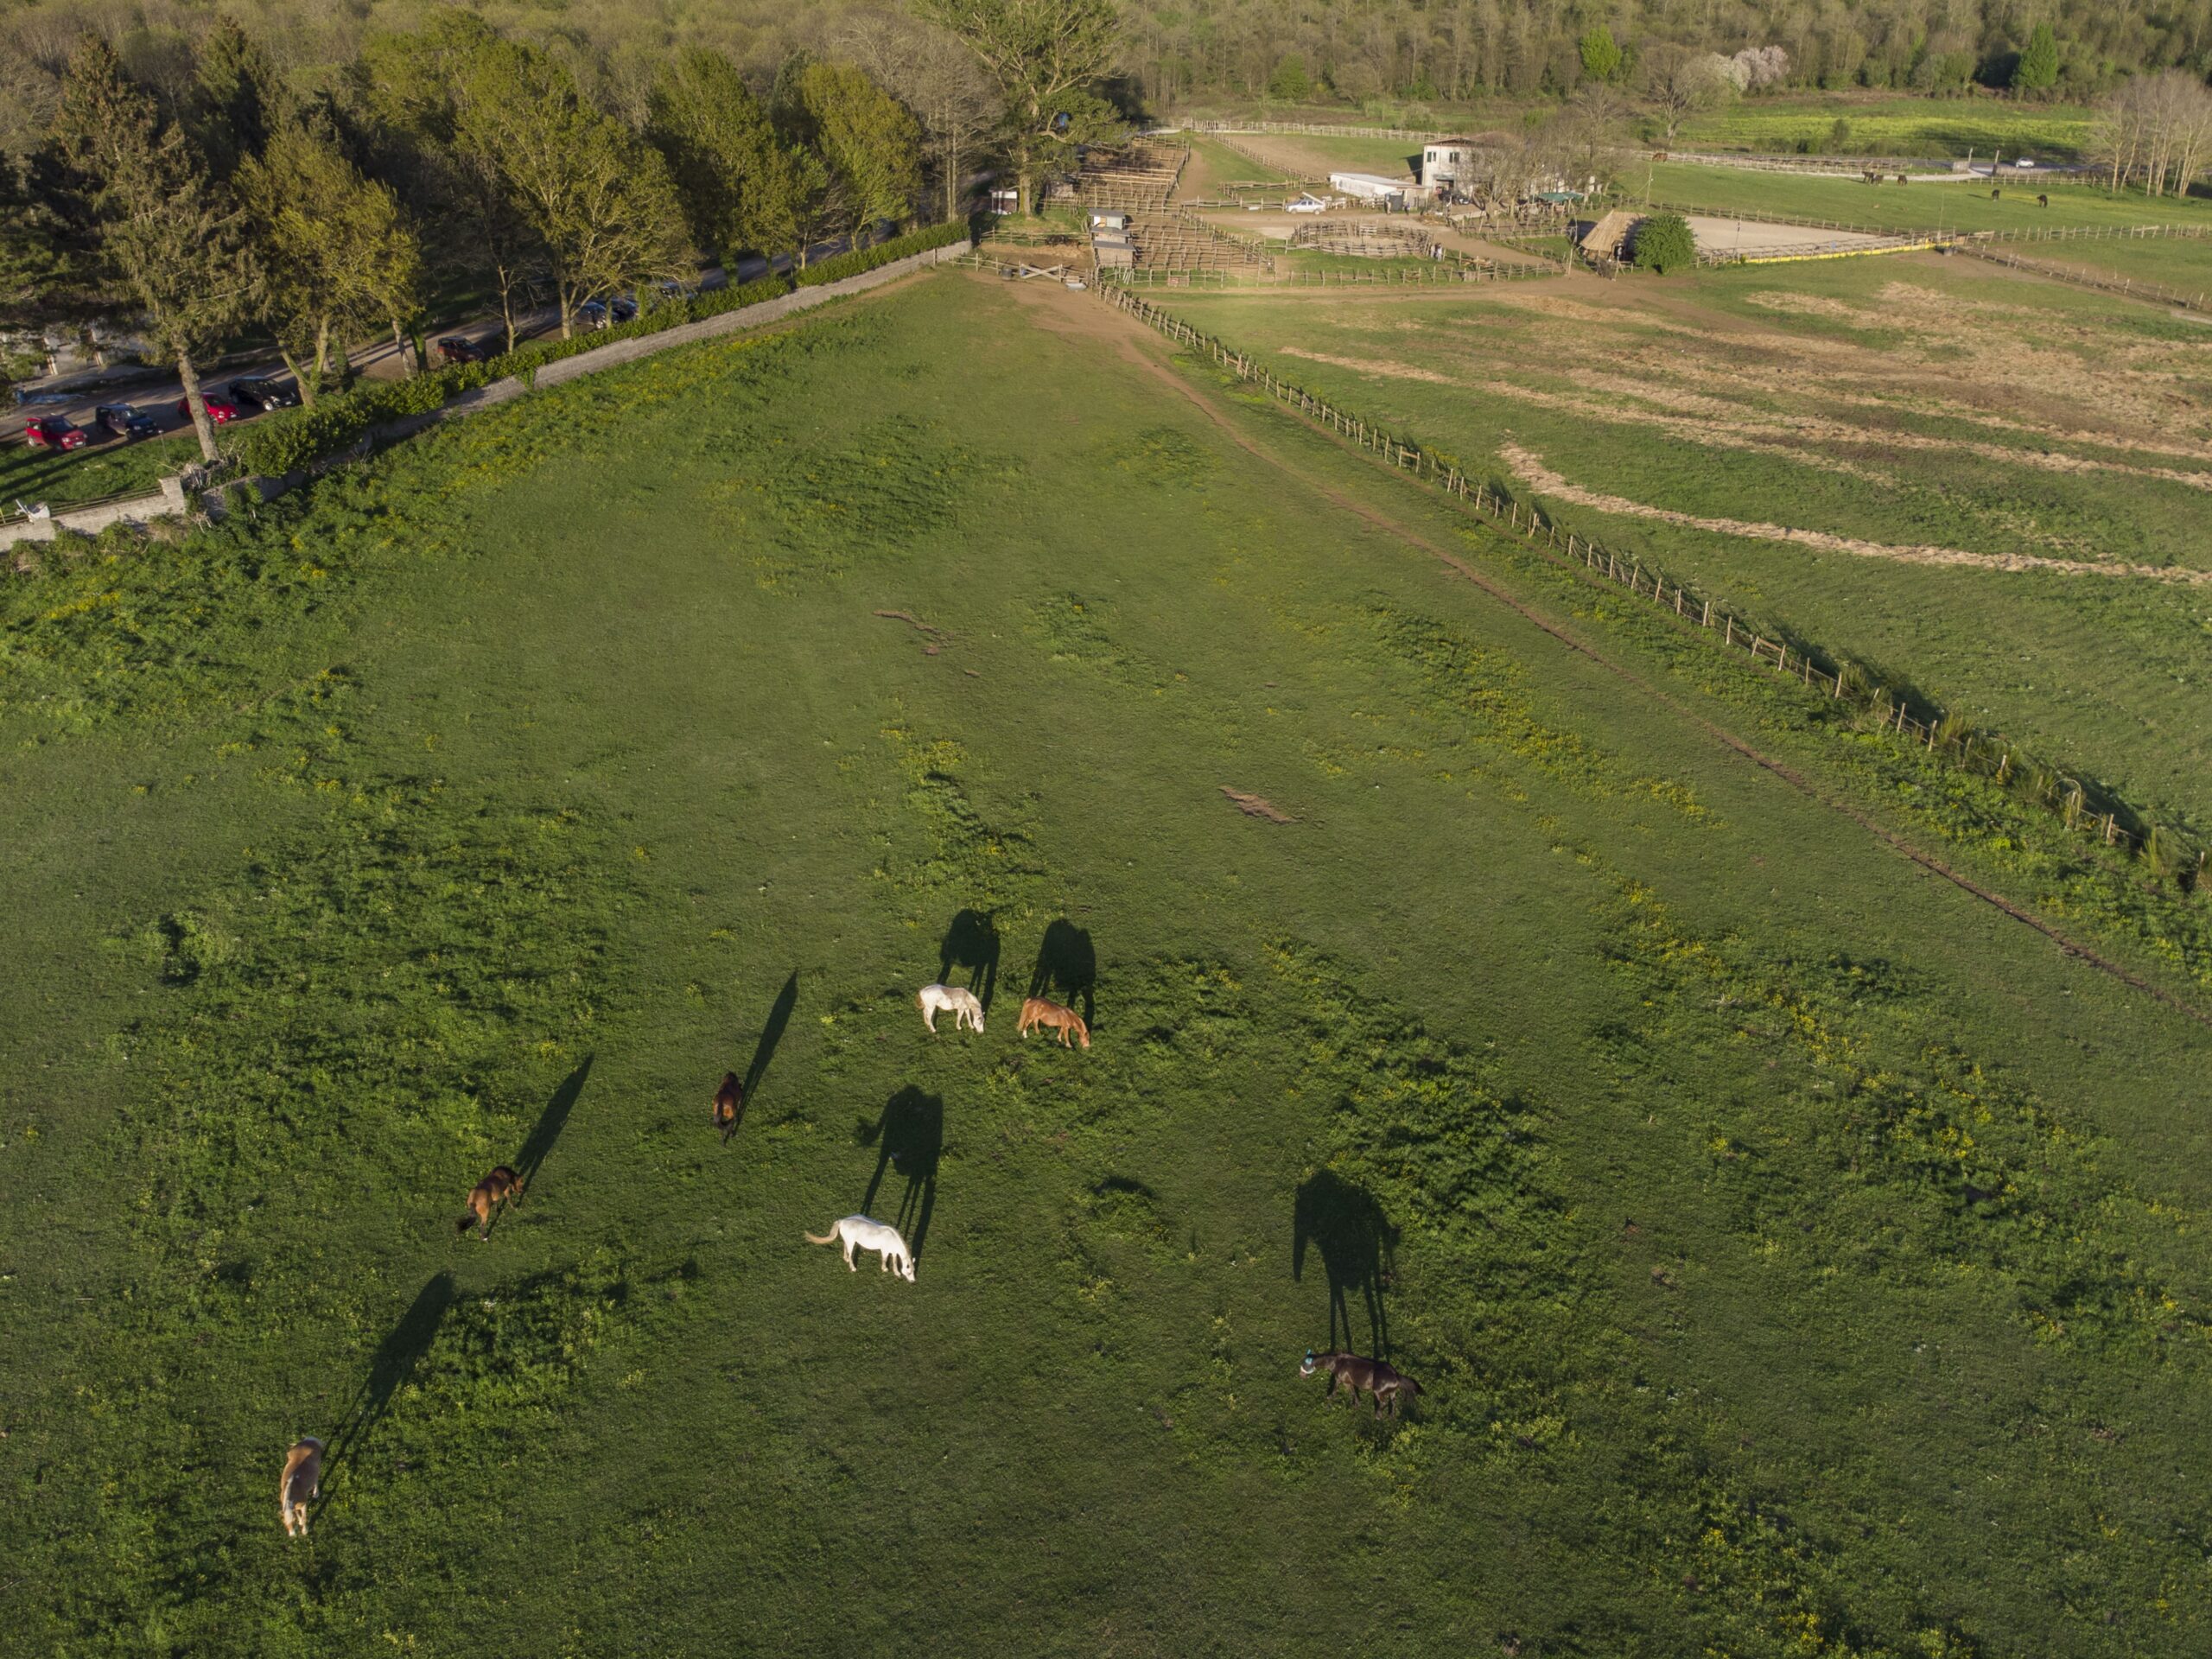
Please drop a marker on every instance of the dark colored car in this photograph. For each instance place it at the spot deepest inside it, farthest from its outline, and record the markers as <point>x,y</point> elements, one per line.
<point>595,312</point>
<point>263,395</point>
<point>54,432</point>
<point>458,348</point>
<point>220,409</point>
<point>124,421</point>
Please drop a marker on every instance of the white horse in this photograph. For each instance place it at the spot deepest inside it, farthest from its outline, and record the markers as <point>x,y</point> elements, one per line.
<point>933,1000</point>
<point>869,1235</point>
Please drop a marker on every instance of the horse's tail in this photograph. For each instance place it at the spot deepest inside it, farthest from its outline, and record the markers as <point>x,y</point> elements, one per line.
<point>830,1237</point>
<point>1410,1385</point>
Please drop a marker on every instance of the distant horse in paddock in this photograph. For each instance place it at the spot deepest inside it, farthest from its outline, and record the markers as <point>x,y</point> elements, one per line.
<point>1356,1374</point>
<point>2043,201</point>
<point>501,1186</point>
<point>963,1006</point>
<point>1997,195</point>
<point>1051,1016</point>
<point>729,1105</point>
<point>301,1480</point>
<point>1901,178</point>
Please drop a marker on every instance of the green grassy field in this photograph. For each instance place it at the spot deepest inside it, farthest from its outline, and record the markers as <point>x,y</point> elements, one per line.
<point>1905,403</point>
<point>1967,206</point>
<point>1895,126</point>
<point>2180,265</point>
<point>1798,1255</point>
<point>87,475</point>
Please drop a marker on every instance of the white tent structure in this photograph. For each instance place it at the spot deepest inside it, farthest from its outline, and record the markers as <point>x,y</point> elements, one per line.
<point>1368,186</point>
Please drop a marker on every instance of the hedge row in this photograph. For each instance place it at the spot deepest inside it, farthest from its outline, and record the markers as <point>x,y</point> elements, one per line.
<point>282,443</point>
<point>840,266</point>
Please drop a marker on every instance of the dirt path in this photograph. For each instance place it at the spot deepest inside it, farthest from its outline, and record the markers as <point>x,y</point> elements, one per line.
<point>1531,470</point>
<point>1083,317</point>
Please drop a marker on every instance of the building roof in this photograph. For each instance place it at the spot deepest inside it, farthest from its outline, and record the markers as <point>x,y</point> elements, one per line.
<point>1435,142</point>
<point>1376,179</point>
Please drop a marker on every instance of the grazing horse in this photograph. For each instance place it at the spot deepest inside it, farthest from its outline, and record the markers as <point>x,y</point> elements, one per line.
<point>1051,1016</point>
<point>866,1233</point>
<point>2043,201</point>
<point>501,1186</point>
<point>1901,178</point>
<point>963,1006</point>
<point>302,1479</point>
<point>1356,1373</point>
<point>729,1105</point>
<point>1997,195</point>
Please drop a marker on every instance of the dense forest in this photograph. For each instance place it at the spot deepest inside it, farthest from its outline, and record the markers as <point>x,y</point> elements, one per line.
<point>1175,54</point>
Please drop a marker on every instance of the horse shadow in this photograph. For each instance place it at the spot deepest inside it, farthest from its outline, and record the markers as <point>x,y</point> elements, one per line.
<point>909,1137</point>
<point>1358,1250</point>
<point>1068,965</point>
<point>779,1015</point>
<point>550,1122</point>
<point>971,942</point>
<point>395,1361</point>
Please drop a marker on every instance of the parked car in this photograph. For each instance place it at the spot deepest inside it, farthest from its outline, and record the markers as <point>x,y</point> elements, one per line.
<point>124,421</point>
<point>220,409</point>
<point>263,395</point>
<point>54,432</point>
<point>458,348</point>
<point>595,312</point>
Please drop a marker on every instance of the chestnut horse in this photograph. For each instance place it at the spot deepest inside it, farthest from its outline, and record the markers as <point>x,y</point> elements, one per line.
<point>1356,1374</point>
<point>729,1105</point>
<point>1051,1016</point>
<point>501,1186</point>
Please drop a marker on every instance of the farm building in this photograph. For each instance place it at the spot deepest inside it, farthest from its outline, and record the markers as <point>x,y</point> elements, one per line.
<point>1443,161</point>
<point>1107,220</point>
<point>1113,250</point>
<point>1371,187</point>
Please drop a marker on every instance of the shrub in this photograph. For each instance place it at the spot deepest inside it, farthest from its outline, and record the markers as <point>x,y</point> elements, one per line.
<point>898,247</point>
<point>1663,242</point>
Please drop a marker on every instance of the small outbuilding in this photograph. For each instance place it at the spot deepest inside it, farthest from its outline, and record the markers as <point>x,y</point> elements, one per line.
<point>1106,219</point>
<point>1370,186</point>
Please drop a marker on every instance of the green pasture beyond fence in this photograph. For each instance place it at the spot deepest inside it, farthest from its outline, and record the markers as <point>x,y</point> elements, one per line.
<point>1986,754</point>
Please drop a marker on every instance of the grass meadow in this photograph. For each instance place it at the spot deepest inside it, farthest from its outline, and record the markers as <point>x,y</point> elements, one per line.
<point>101,469</point>
<point>1798,1255</point>
<point>1917,407</point>
<point>1964,205</point>
<point>1895,126</point>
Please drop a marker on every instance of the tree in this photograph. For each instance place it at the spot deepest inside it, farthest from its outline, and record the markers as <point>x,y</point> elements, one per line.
<point>169,240</point>
<point>1681,83</point>
<point>1663,242</point>
<point>1290,82</point>
<point>237,98</point>
<point>1601,54</point>
<point>595,195</point>
<point>866,140</point>
<point>419,85</point>
<point>739,186</point>
<point>936,78</point>
<point>1046,56</point>
<point>2037,69</point>
<point>339,255</point>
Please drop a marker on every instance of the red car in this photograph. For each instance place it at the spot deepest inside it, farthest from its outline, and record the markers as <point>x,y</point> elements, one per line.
<point>220,409</point>
<point>54,432</point>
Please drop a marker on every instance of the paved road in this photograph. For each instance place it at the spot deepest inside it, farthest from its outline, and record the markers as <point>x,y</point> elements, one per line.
<point>158,394</point>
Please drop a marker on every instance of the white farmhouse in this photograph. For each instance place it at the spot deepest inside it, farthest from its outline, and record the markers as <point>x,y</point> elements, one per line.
<point>1444,163</point>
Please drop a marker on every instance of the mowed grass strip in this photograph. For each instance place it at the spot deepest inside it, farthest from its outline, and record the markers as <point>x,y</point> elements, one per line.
<point>1621,1094</point>
<point>1897,126</point>
<point>1926,205</point>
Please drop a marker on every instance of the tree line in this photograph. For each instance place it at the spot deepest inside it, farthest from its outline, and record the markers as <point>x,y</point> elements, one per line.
<point>226,193</point>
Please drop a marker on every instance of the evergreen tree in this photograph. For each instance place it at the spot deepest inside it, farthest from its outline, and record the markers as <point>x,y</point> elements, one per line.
<point>2037,69</point>
<point>1601,54</point>
<point>169,241</point>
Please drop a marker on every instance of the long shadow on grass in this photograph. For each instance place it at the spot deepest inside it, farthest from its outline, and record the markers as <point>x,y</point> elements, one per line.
<point>550,1122</point>
<point>772,1033</point>
<point>909,1137</point>
<point>1359,1248</point>
<point>1066,965</point>
<point>397,1358</point>
<point>971,942</point>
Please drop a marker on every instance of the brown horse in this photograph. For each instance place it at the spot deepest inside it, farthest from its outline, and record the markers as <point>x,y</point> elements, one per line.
<point>1356,1374</point>
<point>501,1186</point>
<point>729,1105</point>
<point>2043,201</point>
<point>1051,1016</point>
<point>301,1480</point>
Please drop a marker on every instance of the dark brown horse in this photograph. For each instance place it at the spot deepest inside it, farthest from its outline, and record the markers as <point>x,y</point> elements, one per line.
<point>729,1105</point>
<point>501,1186</point>
<point>1356,1374</point>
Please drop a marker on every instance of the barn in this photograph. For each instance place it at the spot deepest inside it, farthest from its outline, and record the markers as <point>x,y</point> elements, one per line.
<point>1370,186</point>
